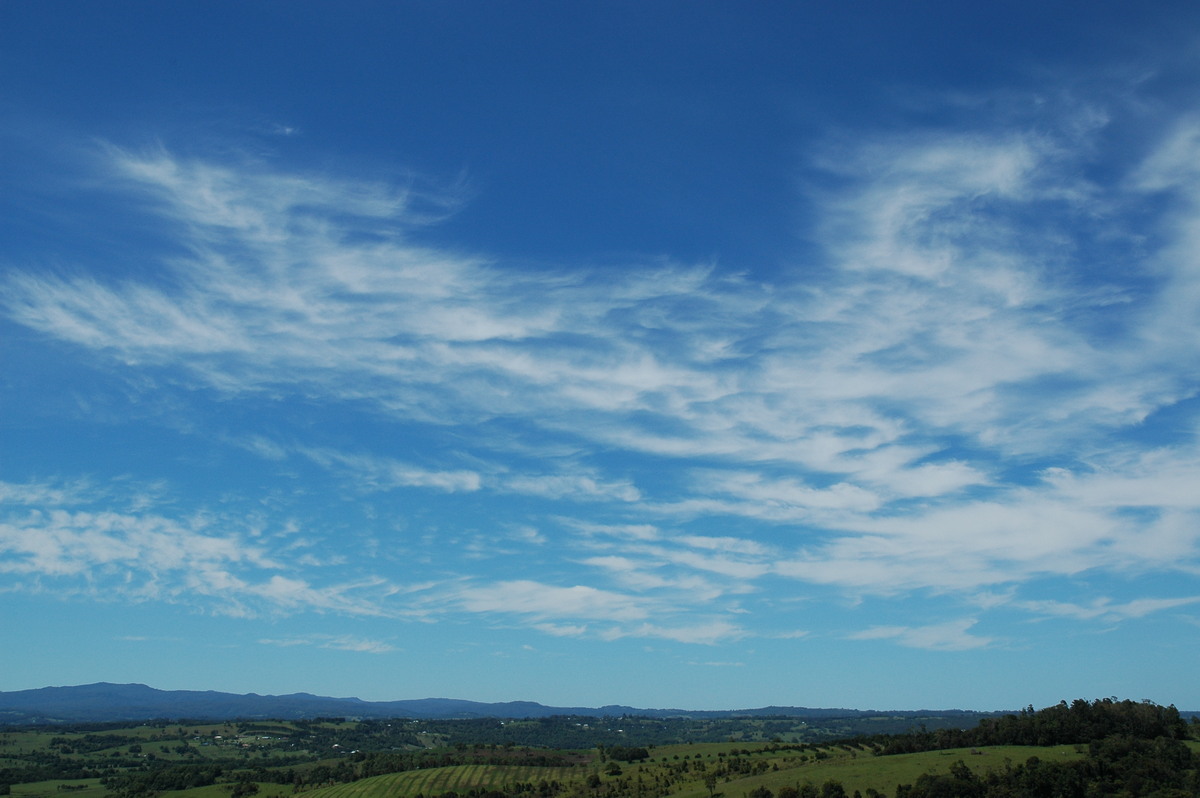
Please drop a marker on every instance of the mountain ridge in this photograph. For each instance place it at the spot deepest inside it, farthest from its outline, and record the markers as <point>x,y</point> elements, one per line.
<point>110,702</point>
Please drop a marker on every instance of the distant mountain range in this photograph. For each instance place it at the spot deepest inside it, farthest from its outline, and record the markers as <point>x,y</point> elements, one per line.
<point>106,702</point>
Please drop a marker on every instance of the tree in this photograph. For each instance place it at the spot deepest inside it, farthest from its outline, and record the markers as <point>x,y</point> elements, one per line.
<point>833,789</point>
<point>243,788</point>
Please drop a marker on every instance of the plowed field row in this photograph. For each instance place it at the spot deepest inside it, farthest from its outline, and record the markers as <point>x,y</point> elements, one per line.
<point>435,781</point>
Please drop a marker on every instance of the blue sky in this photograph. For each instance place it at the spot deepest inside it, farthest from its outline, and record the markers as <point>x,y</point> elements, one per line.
<point>669,354</point>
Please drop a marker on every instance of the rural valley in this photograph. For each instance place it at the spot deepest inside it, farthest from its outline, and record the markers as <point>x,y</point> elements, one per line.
<point>1106,747</point>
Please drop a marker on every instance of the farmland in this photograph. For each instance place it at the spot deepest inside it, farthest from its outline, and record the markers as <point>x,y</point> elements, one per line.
<point>680,771</point>
<point>1090,746</point>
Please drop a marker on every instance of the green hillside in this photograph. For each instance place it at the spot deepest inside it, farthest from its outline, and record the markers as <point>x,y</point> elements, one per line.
<point>856,770</point>
<point>1079,750</point>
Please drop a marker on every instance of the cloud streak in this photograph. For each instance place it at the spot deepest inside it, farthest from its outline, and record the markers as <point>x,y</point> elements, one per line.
<point>215,564</point>
<point>943,402</point>
<point>949,636</point>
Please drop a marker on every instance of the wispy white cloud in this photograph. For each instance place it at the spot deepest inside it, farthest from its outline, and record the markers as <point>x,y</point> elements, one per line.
<point>737,567</point>
<point>864,423</point>
<point>543,602</point>
<point>371,472</point>
<point>707,633</point>
<point>578,486</point>
<point>619,531</point>
<point>581,610</point>
<point>719,664</point>
<point>334,642</point>
<point>44,493</point>
<point>1104,609</point>
<point>73,543</point>
<point>273,298</point>
<point>949,636</point>
<point>215,563</point>
<point>562,630</point>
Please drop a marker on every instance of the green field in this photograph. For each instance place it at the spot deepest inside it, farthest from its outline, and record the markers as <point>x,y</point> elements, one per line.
<point>856,770</point>
<point>677,771</point>
<point>77,788</point>
<point>325,759</point>
<point>883,773</point>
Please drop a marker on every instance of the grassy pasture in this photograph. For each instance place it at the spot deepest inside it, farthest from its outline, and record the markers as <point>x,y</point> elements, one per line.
<point>699,750</point>
<point>677,770</point>
<point>142,732</point>
<point>81,788</point>
<point>864,770</point>
<point>13,741</point>
<point>857,770</point>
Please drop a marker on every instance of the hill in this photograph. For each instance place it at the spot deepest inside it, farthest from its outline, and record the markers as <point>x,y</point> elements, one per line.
<point>106,702</point>
<point>1101,748</point>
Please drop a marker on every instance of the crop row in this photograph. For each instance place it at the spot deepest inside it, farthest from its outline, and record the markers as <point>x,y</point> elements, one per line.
<point>435,781</point>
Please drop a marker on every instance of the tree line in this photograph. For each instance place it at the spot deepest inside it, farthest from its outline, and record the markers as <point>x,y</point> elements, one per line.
<point>1063,724</point>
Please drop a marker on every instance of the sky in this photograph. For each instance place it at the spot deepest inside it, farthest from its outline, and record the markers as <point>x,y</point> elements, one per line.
<point>668,354</point>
